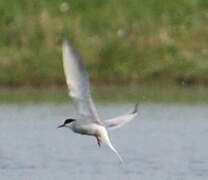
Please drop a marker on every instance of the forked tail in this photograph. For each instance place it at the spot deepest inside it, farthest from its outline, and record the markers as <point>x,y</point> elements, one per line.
<point>106,140</point>
<point>115,151</point>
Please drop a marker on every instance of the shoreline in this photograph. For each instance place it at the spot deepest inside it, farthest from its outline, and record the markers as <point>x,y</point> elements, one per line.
<point>28,94</point>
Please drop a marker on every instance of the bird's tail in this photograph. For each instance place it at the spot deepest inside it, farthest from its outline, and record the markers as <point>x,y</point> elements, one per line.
<point>106,140</point>
<point>115,151</point>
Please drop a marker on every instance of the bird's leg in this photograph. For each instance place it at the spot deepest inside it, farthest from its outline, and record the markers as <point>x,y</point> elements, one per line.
<point>98,140</point>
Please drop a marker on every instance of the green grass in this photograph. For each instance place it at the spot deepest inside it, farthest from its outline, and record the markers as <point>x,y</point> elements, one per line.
<point>153,42</point>
<point>106,94</point>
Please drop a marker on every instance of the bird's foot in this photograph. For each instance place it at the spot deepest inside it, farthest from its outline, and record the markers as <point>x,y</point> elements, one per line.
<point>98,141</point>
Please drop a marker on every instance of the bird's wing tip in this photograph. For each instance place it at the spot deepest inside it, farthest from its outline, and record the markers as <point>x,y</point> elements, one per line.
<point>135,110</point>
<point>66,41</point>
<point>66,44</point>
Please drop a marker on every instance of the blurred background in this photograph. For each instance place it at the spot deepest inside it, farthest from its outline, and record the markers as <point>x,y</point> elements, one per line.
<point>143,47</point>
<point>150,51</point>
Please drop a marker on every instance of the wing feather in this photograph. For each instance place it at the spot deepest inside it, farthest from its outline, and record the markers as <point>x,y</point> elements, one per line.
<point>78,83</point>
<point>119,121</point>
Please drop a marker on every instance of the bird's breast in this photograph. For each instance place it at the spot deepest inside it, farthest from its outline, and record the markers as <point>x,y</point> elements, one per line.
<point>87,129</point>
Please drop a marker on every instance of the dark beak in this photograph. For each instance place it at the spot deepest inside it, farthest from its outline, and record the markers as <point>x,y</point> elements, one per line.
<point>63,125</point>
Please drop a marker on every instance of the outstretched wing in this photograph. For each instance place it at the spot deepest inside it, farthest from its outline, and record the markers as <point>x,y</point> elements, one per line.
<point>119,121</point>
<point>78,83</point>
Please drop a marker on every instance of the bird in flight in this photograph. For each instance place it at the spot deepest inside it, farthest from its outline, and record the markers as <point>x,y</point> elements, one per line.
<point>88,121</point>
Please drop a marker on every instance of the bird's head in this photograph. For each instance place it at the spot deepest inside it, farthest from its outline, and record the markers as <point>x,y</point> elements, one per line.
<point>67,123</point>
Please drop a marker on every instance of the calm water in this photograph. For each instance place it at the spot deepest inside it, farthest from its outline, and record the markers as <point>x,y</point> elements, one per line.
<point>166,142</point>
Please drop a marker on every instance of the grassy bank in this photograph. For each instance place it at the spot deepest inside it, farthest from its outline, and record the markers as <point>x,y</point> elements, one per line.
<point>153,43</point>
<point>106,94</point>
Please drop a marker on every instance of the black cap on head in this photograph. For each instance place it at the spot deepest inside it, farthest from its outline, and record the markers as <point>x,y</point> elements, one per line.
<point>67,121</point>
